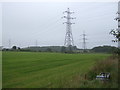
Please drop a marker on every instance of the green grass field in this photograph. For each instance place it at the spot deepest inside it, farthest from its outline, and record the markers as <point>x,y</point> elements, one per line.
<point>45,70</point>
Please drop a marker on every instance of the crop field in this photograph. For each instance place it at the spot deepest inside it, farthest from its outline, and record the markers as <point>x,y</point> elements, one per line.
<point>45,70</point>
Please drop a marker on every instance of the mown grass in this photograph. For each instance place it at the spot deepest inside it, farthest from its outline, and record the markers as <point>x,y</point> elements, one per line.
<point>46,70</point>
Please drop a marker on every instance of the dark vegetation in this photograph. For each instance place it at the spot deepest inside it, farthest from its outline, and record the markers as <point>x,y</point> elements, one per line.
<point>104,49</point>
<point>62,49</point>
<point>116,34</point>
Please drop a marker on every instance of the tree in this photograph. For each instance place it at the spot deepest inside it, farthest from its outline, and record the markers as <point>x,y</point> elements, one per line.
<point>14,47</point>
<point>19,48</point>
<point>63,50</point>
<point>70,49</point>
<point>116,34</point>
<point>49,49</point>
<point>104,49</point>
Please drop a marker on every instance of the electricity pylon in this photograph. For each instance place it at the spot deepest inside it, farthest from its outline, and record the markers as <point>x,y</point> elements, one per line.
<point>68,37</point>
<point>84,42</point>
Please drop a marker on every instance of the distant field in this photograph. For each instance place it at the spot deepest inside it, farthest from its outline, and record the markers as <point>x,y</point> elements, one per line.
<point>39,70</point>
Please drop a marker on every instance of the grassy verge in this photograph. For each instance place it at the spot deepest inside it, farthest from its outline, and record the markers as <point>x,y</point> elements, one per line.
<point>87,80</point>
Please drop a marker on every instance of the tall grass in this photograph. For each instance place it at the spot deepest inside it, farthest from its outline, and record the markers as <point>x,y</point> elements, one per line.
<point>88,80</point>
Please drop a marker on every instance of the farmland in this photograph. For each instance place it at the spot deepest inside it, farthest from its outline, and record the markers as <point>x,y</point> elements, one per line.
<point>45,70</point>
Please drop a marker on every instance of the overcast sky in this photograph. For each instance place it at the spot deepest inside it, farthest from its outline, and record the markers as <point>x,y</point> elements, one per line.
<point>25,23</point>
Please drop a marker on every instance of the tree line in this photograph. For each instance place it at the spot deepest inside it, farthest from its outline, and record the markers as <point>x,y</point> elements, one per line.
<point>63,49</point>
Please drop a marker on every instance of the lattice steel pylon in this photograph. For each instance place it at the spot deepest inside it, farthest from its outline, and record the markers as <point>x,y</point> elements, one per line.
<point>68,37</point>
<point>84,41</point>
